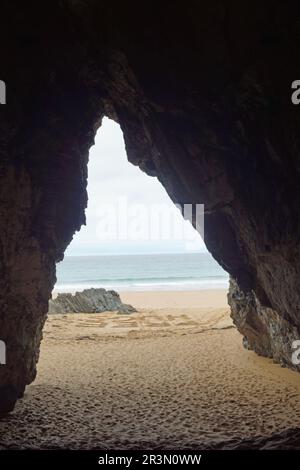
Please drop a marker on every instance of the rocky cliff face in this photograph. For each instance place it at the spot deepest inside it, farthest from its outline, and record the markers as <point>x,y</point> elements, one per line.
<point>202,94</point>
<point>265,331</point>
<point>89,301</point>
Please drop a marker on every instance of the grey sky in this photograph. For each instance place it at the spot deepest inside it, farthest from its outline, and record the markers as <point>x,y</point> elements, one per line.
<point>124,200</point>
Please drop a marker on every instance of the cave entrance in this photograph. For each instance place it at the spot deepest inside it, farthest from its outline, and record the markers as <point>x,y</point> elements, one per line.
<point>132,376</point>
<point>135,239</point>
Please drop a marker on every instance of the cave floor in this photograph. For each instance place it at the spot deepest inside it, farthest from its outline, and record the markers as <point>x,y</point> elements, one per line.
<point>154,379</point>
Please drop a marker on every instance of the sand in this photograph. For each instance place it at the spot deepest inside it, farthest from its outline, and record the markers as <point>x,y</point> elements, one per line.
<point>172,375</point>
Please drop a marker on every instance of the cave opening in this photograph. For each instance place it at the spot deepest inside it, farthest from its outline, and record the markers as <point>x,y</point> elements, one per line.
<point>130,216</point>
<point>127,369</point>
<point>149,375</point>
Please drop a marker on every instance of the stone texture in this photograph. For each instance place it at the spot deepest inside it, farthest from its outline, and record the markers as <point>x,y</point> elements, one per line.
<point>202,94</point>
<point>89,301</point>
<point>265,331</point>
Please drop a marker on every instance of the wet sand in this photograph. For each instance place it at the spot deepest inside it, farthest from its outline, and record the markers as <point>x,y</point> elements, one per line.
<point>173,375</point>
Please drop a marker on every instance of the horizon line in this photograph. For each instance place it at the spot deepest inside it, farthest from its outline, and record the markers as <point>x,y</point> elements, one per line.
<point>136,254</point>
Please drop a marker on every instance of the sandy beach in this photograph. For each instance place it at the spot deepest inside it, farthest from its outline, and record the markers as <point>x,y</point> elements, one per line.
<point>173,375</point>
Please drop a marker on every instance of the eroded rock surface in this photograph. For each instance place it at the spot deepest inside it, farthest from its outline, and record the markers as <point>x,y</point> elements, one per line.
<point>265,331</point>
<point>89,301</point>
<point>202,92</point>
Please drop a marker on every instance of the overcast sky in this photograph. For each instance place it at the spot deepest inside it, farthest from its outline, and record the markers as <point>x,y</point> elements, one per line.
<point>128,211</point>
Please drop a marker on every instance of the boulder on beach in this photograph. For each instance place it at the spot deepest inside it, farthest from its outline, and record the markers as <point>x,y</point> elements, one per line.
<point>89,301</point>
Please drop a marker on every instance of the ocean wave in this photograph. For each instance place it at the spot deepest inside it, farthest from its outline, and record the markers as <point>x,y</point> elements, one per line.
<point>156,284</point>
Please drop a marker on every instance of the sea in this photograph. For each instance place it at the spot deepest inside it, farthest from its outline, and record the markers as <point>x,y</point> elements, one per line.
<point>181,271</point>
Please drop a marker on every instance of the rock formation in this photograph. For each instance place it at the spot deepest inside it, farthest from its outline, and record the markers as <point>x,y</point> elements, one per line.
<point>89,301</point>
<point>202,92</point>
<point>265,331</point>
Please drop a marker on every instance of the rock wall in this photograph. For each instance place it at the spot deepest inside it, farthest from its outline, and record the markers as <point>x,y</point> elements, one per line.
<point>265,331</point>
<point>202,93</point>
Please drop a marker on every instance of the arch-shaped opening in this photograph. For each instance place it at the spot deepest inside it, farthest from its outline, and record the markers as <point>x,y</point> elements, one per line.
<point>129,214</point>
<point>145,378</point>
